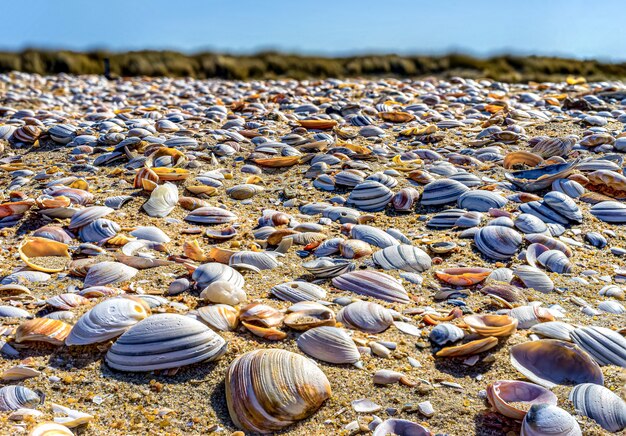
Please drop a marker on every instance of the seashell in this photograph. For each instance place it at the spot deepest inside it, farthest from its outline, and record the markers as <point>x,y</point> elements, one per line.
<point>373,284</point>
<point>210,215</point>
<point>87,216</point>
<point>19,372</point>
<point>42,330</point>
<point>278,162</point>
<point>25,276</point>
<point>481,201</point>
<point>244,191</point>
<point>443,247</point>
<point>73,418</point>
<point>547,419</point>
<point>463,276</point>
<point>49,202</point>
<point>219,317</point>
<point>420,176</point>
<point>221,234</point>
<point>298,291</point>
<point>50,429</point>
<point>54,233</point>
<point>349,178</point>
<point>529,223</point>
<point>498,242</point>
<point>117,201</point>
<point>370,196</point>
<point>571,188</point>
<point>445,333</point>
<point>261,259</point>
<point>15,207</point>
<point>467,179</point>
<point>521,158</point>
<point>66,301</point>
<point>612,212</point>
<point>534,278</point>
<point>324,182</point>
<point>555,261</point>
<point>326,267</point>
<point>163,341</point>
<point>107,320</point>
<point>607,182</point>
<point>329,344</point>
<point>365,316</point>
<point>507,292</point>
<point>606,346</point>
<point>403,257</point>
<point>268,390</point>
<point>373,236</point>
<point>541,178</point>
<point>469,348</point>
<point>34,247</point>
<point>446,219</point>
<point>551,243</point>
<point>554,330</point>
<point>354,249</point>
<point>611,307</point>
<point>528,316</point>
<point>491,325</point>
<point>550,362</point>
<point>563,205</point>
<point>384,179</point>
<point>162,201</point>
<point>596,239</point>
<point>27,134</point>
<point>601,405</point>
<point>328,247</point>
<point>105,273</point>
<point>171,174</point>
<point>61,315</point>
<point>443,191</point>
<point>505,395</point>
<point>18,397</point>
<point>15,290</point>
<point>400,427</point>
<point>62,133</point>
<point>386,376</point>
<point>404,199</point>
<point>13,312</point>
<point>99,230</point>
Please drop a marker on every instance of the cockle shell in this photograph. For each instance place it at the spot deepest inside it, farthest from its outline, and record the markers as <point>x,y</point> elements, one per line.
<point>165,341</point>
<point>365,316</point>
<point>298,291</point>
<point>607,347</point>
<point>503,395</point>
<point>107,320</point>
<point>601,405</point>
<point>162,201</point>
<point>403,257</point>
<point>329,344</point>
<point>17,397</point>
<point>34,247</point>
<point>42,330</point>
<point>534,278</point>
<point>105,273</point>
<point>481,201</point>
<point>370,196</point>
<point>443,191</point>
<point>373,284</point>
<point>550,362</point>
<point>373,236</point>
<point>268,390</point>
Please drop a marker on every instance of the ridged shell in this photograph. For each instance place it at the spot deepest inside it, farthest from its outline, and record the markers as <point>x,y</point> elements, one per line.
<point>104,273</point>
<point>106,320</point>
<point>62,133</point>
<point>349,178</point>
<point>150,233</point>
<point>534,278</point>
<point>443,191</point>
<point>563,205</point>
<point>327,267</point>
<point>550,362</point>
<point>498,242</point>
<point>373,236</point>
<point>606,346</point>
<point>403,257</point>
<point>208,273</point>
<point>555,261</point>
<point>370,196</point>
<point>13,312</point>
<point>365,316</point>
<point>571,188</point>
<point>541,178</point>
<point>66,301</point>
<point>528,223</point>
<point>298,291</point>
<point>219,317</point>
<point>373,284</point>
<point>162,201</point>
<point>404,199</point>
<point>329,344</point>
<point>259,259</point>
<point>546,419</point>
<point>612,212</point>
<point>117,201</point>
<point>210,215</point>
<point>99,230</point>
<point>42,330</point>
<point>165,341</point>
<point>491,325</point>
<point>601,405</point>
<point>528,316</point>
<point>554,330</point>
<point>446,219</point>
<point>17,397</point>
<point>481,201</point>
<point>88,215</point>
<point>551,243</point>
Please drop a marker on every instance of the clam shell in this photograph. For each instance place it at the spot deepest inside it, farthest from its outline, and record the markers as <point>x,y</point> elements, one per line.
<point>492,325</point>
<point>373,236</point>
<point>87,216</point>
<point>42,330</point>
<point>551,243</point>
<point>268,390</point>
<point>162,201</point>
<point>541,178</point>
<point>105,273</point>
<point>445,333</point>
<point>107,320</point>
<point>244,191</point>
<point>555,261</point>
<point>463,276</point>
<point>443,191</point>
<point>550,362</point>
<point>403,257</point>
<point>498,242</point>
<point>611,307</point>
<point>66,301</point>
<point>610,211</point>
<point>34,247</point>
<point>571,188</point>
<point>534,278</point>
<point>503,395</point>
<point>50,429</point>
<point>601,405</point>
<point>13,312</point>
<point>99,230</point>
<point>446,219</point>
<point>220,317</point>
<point>373,284</point>
<point>210,215</point>
<point>260,259</point>
<point>554,330</point>
<point>18,397</point>
<point>400,427</point>
<point>547,419</point>
<point>313,315</point>
<point>326,267</point>
<point>528,316</point>
<point>404,200</point>
<point>117,201</point>
<point>208,273</point>
<point>329,344</point>
<point>481,201</point>
<point>528,223</point>
<point>165,341</point>
<point>150,233</point>
<point>370,196</point>
<point>469,348</point>
<point>563,205</point>
<point>298,291</point>
<point>507,292</point>
<point>606,346</point>
<point>365,316</point>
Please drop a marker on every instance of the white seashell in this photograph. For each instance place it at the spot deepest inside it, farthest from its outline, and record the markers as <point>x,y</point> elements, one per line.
<point>554,330</point>
<point>370,196</point>
<point>534,278</point>
<point>400,427</point>
<point>73,418</point>
<point>366,316</point>
<point>611,306</point>
<point>208,273</point>
<point>162,201</point>
<point>404,257</point>
<point>365,406</point>
<point>445,333</point>
<point>546,419</point>
<point>87,216</point>
<point>17,397</point>
<point>373,236</point>
<point>104,273</point>
<point>261,259</point>
<point>51,429</point>
<point>220,317</point>
<point>223,292</point>
<point>298,291</point>
<point>601,405</point>
<point>329,344</point>
<point>150,233</point>
<point>606,346</point>
<point>373,284</point>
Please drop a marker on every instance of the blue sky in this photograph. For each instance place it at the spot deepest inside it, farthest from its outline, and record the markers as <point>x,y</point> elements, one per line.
<point>573,28</point>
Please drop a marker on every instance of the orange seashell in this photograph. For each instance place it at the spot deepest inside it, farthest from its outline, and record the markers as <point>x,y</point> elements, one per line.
<point>420,176</point>
<point>432,319</point>
<point>521,158</point>
<point>492,325</point>
<point>269,333</point>
<point>396,117</point>
<point>34,247</point>
<point>120,240</point>
<point>171,174</point>
<point>47,202</point>
<point>145,174</point>
<point>607,182</point>
<point>318,124</point>
<point>191,203</point>
<point>178,157</point>
<point>15,207</point>
<point>463,276</point>
<point>48,330</point>
<point>469,348</point>
<point>193,251</point>
<point>221,255</point>
<point>278,162</point>
<point>203,190</point>
<point>493,108</point>
<point>80,184</point>
<point>277,236</point>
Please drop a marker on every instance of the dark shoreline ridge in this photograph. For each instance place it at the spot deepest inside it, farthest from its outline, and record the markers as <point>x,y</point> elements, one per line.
<point>278,65</point>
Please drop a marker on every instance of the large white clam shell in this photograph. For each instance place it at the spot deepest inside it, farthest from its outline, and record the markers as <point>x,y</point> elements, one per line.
<point>366,316</point>
<point>606,346</point>
<point>162,201</point>
<point>298,291</point>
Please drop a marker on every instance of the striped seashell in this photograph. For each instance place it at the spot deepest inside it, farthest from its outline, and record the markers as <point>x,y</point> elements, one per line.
<point>18,397</point>
<point>42,330</point>
<point>554,330</point>
<point>117,201</point>
<point>244,191</point>
<point>66,301</point>
<point>528,223</point>
<point>521,158</point>
<point>13,312</point>
<point>354,249</point>
<point>105,273</point>
<point>25,277</point>
<point>404,200</point>
<point>534,278</point>
<point>467,179</point>
<point>528,316</point>
<point>61,315</point>
<point>180,142</point>
<point>601,405</point>
<point>596,139</point>
<point>551,243</point>
<point>607,347</point>
<point>571,188</point>
<point>165,341</point>
<point>365,316</point>
<point>209,273</point>
<point>612,212</point>
<point>99,230</point>
<point>443,191</point>
<point>341,214</point>
<point>150,233</point>
<point>144,178</point>
<point>611,307</point>
<point>555,261</point>
<point>306,238</point>
<point>210,215</point>
<point>328,247</point>
<point>384,179</point>
<point>349,178</point>
<point>76,196</point>
<point>498,242</point>
<point>107,320</point>
<point>62,133</point>
<point>541,210</point>
<point>87,216</point>
<point>563,205</point>
<point>373,236</point>
<point>370,196</point>
<point>446,219</point>
<point>324,182</point>
<point>219,317</point>
<point>548,147</point>
<point>329,344</point>
<point>502,289</point>
<point>163,199</point>
<point>481,201</point>
<point>268,390</point>
<point>612,291</point>
<point>446,333</point>
<point>27,134</point>
<point>372,284</point>
<point>540,178</point>
<point>6,131</point>
<point>326,267</point>
<point>261,259</point>
<point>298,291</point>
<point>402,257</point>
<point>548,419</point>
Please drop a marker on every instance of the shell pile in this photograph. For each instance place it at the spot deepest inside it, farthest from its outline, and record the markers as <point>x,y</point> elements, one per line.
<point>352,256</point>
